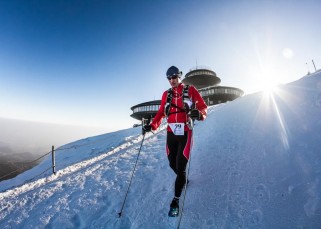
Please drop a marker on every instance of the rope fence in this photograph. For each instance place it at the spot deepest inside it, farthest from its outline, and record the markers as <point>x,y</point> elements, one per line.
<point>53,157</point>
<point>52,152</point>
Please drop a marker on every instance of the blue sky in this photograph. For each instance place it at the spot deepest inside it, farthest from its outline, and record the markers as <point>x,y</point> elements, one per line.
<point>87,62</point>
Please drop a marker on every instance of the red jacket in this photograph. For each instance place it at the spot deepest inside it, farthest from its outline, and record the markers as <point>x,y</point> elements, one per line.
<point>178,116</point>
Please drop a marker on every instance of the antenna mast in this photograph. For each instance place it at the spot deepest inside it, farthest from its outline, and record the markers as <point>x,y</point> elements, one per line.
<point>314,65</point>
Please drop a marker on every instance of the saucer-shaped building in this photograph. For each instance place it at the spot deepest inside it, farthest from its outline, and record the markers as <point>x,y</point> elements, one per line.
<point>201,78</point>
<point>145,110</point>
<point>206,81</point>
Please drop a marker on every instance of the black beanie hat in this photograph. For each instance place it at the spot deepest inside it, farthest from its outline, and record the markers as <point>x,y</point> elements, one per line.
<point>173,71</point>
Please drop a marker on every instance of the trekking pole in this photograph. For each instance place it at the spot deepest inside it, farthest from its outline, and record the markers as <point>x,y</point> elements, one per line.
<point>184,196</point>
<point>122,207</point>
<point>180,217</point>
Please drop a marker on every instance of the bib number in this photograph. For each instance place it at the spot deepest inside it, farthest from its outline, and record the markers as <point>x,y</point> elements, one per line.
<point>177,128</point>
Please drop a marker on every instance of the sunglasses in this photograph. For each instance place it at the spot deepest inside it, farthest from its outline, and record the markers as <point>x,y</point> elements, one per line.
<point>172,77</point>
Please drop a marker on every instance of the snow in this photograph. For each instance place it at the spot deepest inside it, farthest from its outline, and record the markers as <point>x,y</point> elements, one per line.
<point>255,164</point>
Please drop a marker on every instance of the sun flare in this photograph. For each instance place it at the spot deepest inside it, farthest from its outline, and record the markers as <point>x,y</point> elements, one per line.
<point>267,84</point>
<point>269,87</point>
<point>287,53</point>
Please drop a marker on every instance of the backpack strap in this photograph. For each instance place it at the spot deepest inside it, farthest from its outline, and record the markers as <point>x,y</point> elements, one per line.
<point>169,96</point>
<point>185,92</point>
<point>187,101</point>
<point>169,103</point>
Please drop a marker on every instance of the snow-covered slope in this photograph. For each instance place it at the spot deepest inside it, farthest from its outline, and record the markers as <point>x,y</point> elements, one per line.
<point>255,164</point>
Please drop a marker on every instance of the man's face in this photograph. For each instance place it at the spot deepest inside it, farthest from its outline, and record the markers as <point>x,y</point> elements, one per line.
<point>173,80</point>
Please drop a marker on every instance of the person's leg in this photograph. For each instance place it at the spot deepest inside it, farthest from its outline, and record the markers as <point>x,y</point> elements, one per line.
<point>181,163</point>
<point>171,149</point>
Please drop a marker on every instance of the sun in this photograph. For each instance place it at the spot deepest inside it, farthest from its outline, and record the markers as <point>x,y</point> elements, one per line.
<point>287,53</point>
<point>266,82</point>
<point>267,72</point>
<point>270,87</point>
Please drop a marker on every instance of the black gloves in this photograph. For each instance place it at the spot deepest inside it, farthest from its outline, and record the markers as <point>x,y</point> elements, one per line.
<point>147,128</point>
<point>195,114</point>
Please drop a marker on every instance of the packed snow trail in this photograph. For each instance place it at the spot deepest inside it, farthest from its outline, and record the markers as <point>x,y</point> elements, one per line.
<point>98,189</point>
<point>255,163</point>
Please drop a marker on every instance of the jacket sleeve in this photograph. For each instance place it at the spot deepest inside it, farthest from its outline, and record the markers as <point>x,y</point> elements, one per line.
<point>198,100</point>
<point>160,113</point>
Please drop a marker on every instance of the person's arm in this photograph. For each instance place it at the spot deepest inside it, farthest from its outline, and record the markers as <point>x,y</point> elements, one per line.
<point>199,102</point>
<point>160,113</point>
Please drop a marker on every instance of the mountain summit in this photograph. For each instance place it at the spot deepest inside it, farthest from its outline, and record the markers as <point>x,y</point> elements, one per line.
<point>255,164</point>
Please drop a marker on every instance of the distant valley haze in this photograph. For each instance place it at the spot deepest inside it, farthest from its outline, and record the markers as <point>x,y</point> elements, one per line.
<point>24,141</point>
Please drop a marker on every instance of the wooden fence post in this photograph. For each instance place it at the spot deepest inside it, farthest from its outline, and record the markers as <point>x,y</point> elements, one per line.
<point>53,160</point>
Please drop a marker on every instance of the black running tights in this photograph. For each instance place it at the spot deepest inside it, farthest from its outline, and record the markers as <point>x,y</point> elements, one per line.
<point>177,161</point>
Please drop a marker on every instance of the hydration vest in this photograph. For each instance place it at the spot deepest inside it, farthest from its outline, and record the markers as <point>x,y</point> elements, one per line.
<point>186,101</point>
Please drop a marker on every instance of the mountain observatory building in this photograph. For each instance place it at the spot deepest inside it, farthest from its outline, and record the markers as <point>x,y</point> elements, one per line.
<point>207,83</point>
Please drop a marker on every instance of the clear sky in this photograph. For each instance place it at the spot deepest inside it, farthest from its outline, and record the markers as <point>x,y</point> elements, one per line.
<point>87,62</point>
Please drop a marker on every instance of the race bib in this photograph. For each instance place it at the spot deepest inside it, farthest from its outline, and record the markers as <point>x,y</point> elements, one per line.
<point>177,128</point>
